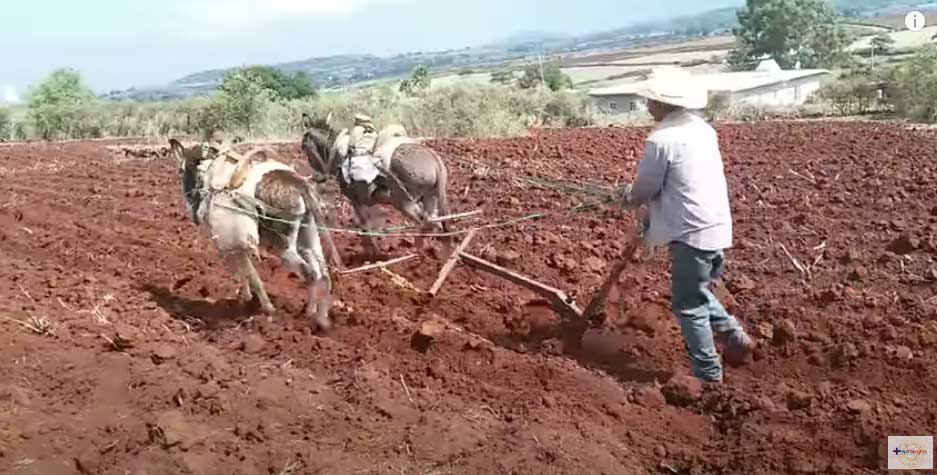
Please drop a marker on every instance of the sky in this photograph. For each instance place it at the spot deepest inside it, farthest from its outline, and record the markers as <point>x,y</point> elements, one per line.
<point>117,44</point>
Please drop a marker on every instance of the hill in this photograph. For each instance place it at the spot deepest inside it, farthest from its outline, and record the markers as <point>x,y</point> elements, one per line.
<point>341,71</point>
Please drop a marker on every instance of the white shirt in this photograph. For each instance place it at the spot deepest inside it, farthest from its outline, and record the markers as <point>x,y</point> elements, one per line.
<point>681,180</point>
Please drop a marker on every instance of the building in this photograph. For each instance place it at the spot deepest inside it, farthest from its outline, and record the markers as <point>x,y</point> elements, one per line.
<point>767,86</point>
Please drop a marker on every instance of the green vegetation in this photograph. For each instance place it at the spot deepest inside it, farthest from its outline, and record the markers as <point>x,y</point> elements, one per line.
<point>285,86</point>
<point>247,105</point>
<point>418,82</point>
<point>55,103</point>
<point>505,77</point>
<point>912,87</point>
<point>6,124</point>
<point>850,96</point>
<point>790,31</point>
<point>882,44</point>
<point>550,76</point>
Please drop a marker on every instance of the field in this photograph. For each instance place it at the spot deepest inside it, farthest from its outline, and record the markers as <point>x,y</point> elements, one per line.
<point>894,21</point>
<point>604,68</point>
<point>903,39</point>
<point>122,352</point>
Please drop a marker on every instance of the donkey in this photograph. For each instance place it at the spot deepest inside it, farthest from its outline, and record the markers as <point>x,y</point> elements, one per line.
<point>413,178</point>
<point>253,200</point>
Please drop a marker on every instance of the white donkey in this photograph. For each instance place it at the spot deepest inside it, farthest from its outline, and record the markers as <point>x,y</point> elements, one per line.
<point>245,201</point>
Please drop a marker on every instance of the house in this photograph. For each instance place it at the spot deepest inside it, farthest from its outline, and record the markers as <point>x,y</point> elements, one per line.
<point>767,86</point>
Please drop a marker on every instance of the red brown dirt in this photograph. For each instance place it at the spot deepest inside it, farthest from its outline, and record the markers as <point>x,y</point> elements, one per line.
<point>153,368</point>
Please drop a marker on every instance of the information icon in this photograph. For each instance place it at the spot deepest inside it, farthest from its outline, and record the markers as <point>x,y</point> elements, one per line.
<point>915,20</point>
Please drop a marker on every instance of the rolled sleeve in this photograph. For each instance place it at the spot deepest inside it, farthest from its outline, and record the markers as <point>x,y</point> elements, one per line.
<point>651,173</point>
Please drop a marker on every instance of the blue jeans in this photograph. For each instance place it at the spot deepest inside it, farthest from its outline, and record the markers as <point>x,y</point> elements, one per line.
<point>697,310</point>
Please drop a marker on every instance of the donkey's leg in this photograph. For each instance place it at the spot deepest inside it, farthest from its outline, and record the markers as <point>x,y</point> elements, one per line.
<point>430,211</point>
<point>370,246</point>
<point>234,263</point>
<point>256,284</point>
<point>317,276</point>
<point>413,211</point>
<point>291,258</point>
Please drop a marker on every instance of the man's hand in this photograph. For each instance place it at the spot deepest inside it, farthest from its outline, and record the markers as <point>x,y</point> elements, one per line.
<point>624,193</point>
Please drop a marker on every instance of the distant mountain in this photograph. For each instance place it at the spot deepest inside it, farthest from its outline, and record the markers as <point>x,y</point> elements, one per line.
<point>528,37</point>
<point>350,70</point>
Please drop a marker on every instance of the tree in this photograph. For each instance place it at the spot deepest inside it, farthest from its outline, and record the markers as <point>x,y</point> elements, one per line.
<point>882,43</point>
<point>913,86</point>
<point>58,103</point>
<point>550,76</point>
<point>556,79</point>
<point>64,87</point>
<point>244,97</point>
<point>418,82</point>
<point>790,31</point>
<point>503,77</point>
<point>285,86</point>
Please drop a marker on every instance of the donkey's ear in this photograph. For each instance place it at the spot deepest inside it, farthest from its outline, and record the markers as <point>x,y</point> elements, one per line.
<point>176,149</point>
<point>328,119</point>
<point>175,146</point>
<point>307,121</point>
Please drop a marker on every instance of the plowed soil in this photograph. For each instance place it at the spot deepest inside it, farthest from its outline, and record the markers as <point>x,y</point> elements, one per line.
<point>141,361</point>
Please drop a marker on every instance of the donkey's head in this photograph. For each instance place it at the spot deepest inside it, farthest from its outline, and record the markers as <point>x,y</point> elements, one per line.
<point>191,169</point>
<point>322,144</point>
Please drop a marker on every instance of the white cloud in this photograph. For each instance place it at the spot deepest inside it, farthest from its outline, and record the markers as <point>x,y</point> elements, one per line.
<point>226,14</point>
<point>8,95</point>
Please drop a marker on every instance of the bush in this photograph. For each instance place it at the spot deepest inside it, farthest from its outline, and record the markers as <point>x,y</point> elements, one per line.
<point>717,106</point>
<point>854,95</point>
<point>550,76</point>
<point>6,125</point>
<point>913,87</point>
<point>244,108</point>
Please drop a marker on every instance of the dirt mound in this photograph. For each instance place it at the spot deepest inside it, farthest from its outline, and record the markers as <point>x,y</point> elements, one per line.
<point>124,351</point>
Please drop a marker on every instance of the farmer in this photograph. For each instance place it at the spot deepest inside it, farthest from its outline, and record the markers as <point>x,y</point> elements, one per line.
<point>360,167</point>
<point>681,181</point>
<point>363,136</point>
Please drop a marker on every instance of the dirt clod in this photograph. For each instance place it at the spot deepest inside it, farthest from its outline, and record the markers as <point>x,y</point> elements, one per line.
<point>596,264</point>
<point>683,390</point>
<point>163,353</point>
<point>785,333</point>
<point>741,283</point>
<point>252,344</point>
<point>88,462</point>
<point>428,332</point>
<point>904,244</point>
<point>649,397</point>
<point>797,400</point>
<point>858,406</point>
<point>174,431</point>
<point>507,257</point>
<point>859,274</point>
<point>844,355</point>
<point>904,353</point>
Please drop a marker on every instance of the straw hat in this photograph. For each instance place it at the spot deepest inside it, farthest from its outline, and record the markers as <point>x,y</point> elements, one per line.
<point>674,86</point>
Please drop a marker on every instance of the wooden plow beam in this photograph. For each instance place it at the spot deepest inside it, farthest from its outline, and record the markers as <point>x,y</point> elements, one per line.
<point>560,302</point>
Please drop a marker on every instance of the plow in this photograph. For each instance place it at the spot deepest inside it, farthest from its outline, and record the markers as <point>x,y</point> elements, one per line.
<point>559,301</point>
